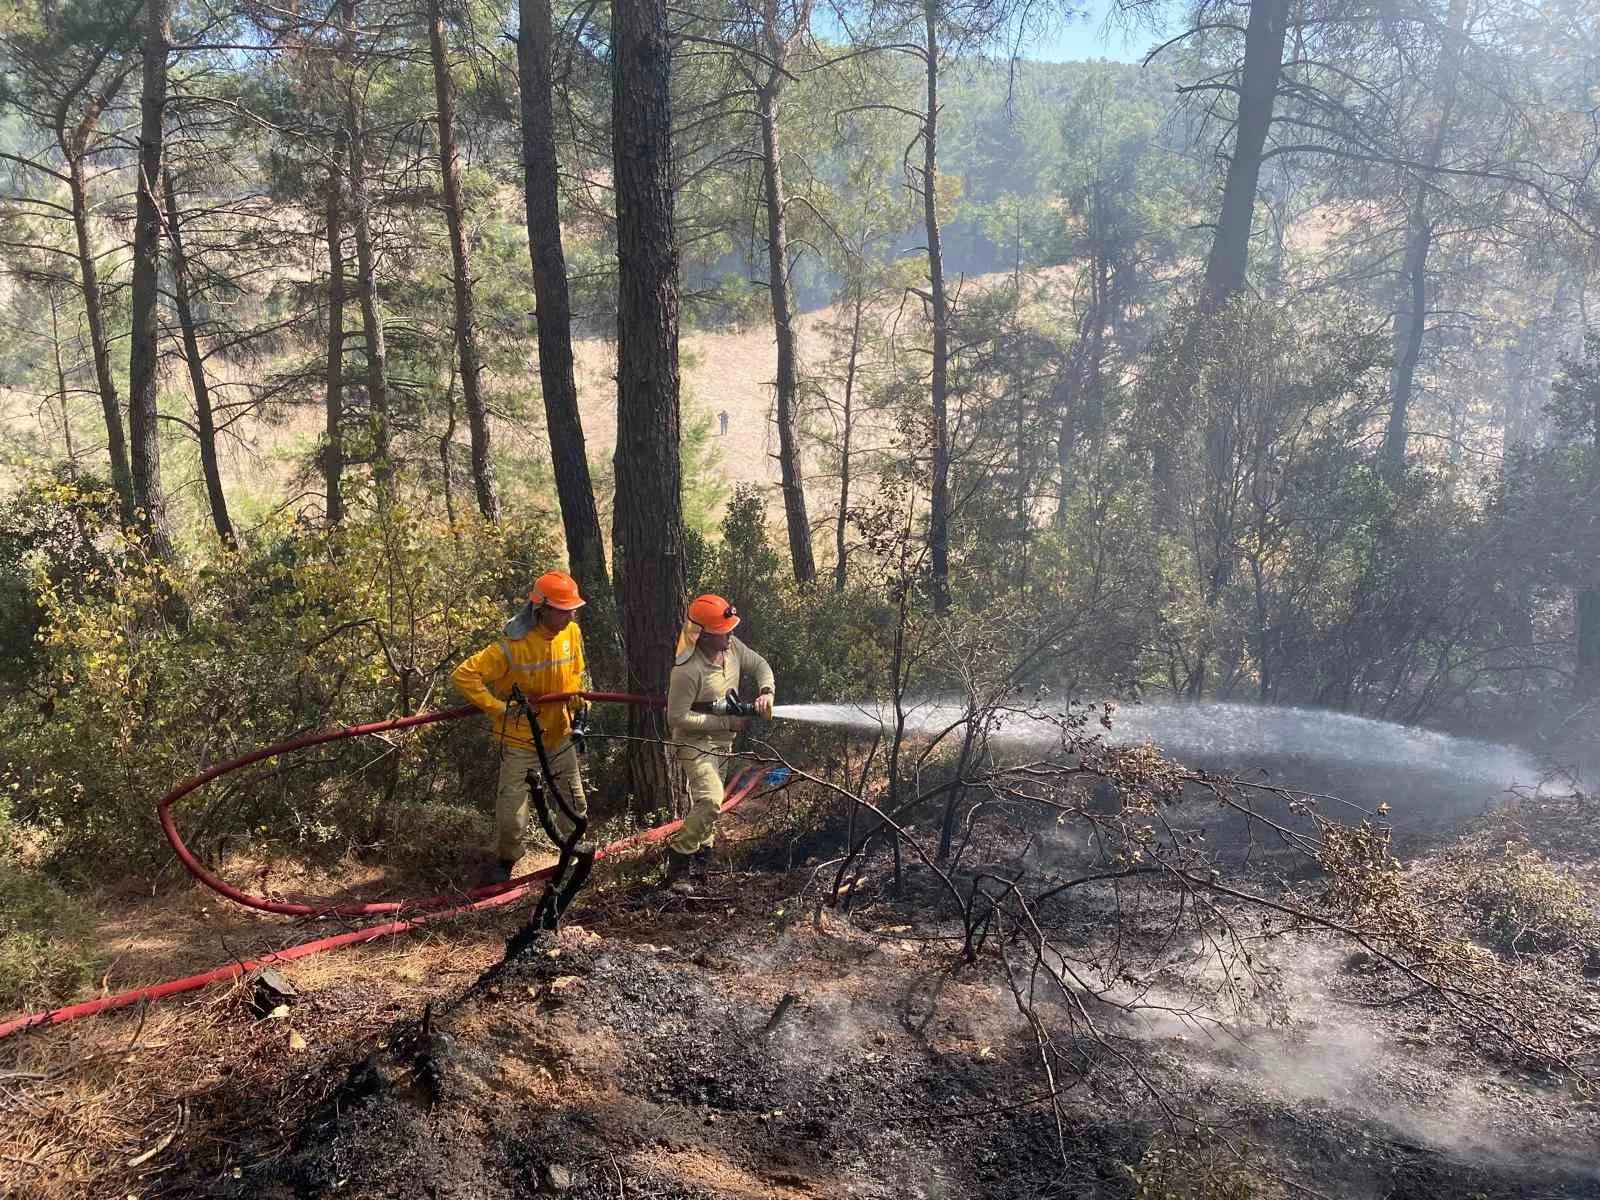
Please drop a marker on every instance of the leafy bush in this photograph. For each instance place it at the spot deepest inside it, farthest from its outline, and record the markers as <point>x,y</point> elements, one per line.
<point>822,644</point>
<point>1192,1168</point>
<point>438,840</point>
<point>50,537</point>
<point>305,629</point>
<point>43,958</point>
<point>1528,904</point>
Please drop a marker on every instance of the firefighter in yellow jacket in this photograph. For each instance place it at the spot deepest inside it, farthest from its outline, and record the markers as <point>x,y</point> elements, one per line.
<point>710,663</point>
<point>541,653</point>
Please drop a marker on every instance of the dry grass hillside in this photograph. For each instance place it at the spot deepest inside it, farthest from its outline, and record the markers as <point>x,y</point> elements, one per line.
<point>267,461</point>
<point>723,370</point>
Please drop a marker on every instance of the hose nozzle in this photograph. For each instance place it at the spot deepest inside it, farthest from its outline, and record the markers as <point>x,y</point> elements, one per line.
<point>729,706</point>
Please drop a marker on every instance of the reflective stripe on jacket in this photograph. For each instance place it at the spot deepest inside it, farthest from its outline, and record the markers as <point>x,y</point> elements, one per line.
<point>539,663</point>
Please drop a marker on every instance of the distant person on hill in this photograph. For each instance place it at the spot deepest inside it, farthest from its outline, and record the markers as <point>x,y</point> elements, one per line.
<point>722,421</point>
<point>541,654</point>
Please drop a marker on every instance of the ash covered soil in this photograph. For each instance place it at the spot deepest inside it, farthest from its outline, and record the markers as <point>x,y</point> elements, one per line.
<point>630,1056</point>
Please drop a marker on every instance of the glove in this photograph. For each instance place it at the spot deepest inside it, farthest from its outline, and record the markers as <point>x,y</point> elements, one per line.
<point>580,731</point>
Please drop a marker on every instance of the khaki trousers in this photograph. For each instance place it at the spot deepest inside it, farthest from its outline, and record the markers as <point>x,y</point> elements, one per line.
<point>511,795</point>
<point>705,773</point>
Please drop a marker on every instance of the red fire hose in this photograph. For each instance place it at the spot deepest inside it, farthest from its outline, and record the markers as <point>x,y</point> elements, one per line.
<point>428,908</point>
<point>355,908</point>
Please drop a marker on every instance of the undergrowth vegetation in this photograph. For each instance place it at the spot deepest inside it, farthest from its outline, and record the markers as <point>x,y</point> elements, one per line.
<point>44,939</point>
<point>1529,904</point>
<point>144,673</point>
<point>1194,1167</point>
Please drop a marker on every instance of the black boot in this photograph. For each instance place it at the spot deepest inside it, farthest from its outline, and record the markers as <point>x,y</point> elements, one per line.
<point>701,865</point>
<point>679,868</point>
<point>498,871</point>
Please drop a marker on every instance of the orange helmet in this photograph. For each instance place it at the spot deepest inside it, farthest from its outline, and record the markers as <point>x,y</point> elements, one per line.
<point>558,590</point>
<point>713,614</point>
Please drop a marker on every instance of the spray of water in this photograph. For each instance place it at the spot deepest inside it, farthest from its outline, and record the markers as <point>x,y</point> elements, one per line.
<point>1224,733</point>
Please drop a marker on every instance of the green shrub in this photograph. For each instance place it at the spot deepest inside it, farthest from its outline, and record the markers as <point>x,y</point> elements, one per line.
<point>822,644</point>
<point>51,536</point>
<point>1527,904</point>
<point>304,629</point>
<point>44,958</point>
<point>440,842</point>
<point>1193,1168</point>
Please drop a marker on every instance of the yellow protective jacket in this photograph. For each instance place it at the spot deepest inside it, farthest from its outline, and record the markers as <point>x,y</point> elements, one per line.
<point>695,680</point>
<point>539,663</point>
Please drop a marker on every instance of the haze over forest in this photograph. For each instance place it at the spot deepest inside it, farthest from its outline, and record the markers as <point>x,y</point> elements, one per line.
<point>1001,364</point>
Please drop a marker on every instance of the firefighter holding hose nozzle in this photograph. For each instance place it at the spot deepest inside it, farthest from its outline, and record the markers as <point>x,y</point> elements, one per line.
<point>703,714</point>
<point>540,654</point>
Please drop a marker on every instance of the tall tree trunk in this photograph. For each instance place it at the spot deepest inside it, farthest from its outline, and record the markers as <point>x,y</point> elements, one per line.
<point>939,514</point>
<point>1411,313</point>
<point>1099,326</point>
<point>1021,494</point>
<point>647,528</point>
<point>145,295</point>
<point>371,313</point>
<point>333,401</point>
<point>1263,65</point>
<point>61,381</point>
<point>197,371</point>
<point>569,456</point>
<point>105,382</point>
<point>1064,402</point>
<point>1228,263</point>
<point>1078,397</point>
<point>841,550</point>
<point>1588,631</point>
<point>1588,598</point>
<point>794,493</point>
<point>466,325</point>
<point>1410,326</point>
<point>446,440</point>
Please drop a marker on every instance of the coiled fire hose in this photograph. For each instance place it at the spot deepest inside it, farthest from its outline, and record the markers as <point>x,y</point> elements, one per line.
<point>427,909</point>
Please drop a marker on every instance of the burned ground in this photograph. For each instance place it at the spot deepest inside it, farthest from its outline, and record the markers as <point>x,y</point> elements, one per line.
<point>637,1063</point>
<point>629,1056</point>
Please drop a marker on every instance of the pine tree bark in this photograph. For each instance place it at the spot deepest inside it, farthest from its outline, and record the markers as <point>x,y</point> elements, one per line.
<point>1588,631</point>
<point>1077,395</point>
<point>466,323</point>
<point>371,314</point>
<point>333,398</point>
<point>1587,601</point>
<point>204,422</point>
<point>74,144</point>
<point>939,505</point>
<point>789,464</point>
<point>94,315</point>
<point>1410,326</point>
<point>1263,67</point>
<point>841,525</point>
<point>1411,312</point>
<point>150,514</point>
<point>1227,264</point>
<point>377,358</point>
<point>569,455</point>
<point>61,382</point>
<point>647,529</point>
